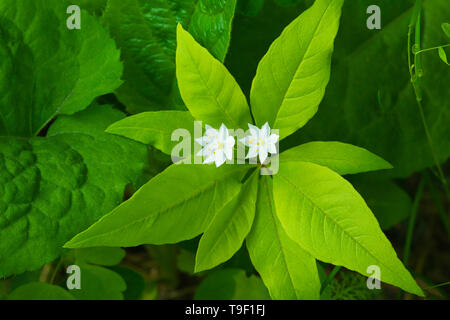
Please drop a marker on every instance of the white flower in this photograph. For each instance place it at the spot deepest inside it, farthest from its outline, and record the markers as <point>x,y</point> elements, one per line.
<point>260,142</point>
<point>217,145</point>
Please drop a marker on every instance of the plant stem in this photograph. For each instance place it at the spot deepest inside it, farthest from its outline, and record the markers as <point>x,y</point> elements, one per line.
<point>330,277</point>
<point>416,74</point>
<point>433,48</point>
<point>412,220</point>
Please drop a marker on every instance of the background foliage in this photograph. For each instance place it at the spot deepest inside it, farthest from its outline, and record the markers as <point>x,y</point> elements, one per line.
<point>60,172</point>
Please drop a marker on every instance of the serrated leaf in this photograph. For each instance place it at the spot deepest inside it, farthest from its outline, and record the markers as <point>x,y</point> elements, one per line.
<point>288,271</point>
<point>324,214</point>
<point>103,256</point>
<point>158,213</point>
<point>98,283</point>
<point>231,284</point>
<point>340,157</point>
<point>52,188</point>
<point>40,291</point>
<point>229,227</point>
<point>154,128</point>
<point>291,78</point>
<point>47,69</point>
<point>145,30</point>
<point>209,91</point>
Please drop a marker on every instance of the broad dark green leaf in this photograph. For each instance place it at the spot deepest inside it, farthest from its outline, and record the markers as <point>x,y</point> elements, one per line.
<point>249,7</point>
<point>47,69</point>
<point>340,157</point>
<point>291,78</point>
<point>229,227</point>
<point>389,203</point>
<point>40,291</point>
<point>52,188</point>
<point>134,280</point>
<point>176,205</point>
<point>231,284</point>
<point>288,271</point>
<point>325,215</point>
<point>145,31</point>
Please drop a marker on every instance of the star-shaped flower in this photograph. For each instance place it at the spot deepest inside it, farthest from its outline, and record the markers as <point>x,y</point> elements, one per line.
<point>260,142</point>
<point>217,145</point>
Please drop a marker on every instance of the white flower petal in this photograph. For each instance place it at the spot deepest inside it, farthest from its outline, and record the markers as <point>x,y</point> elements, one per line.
<point>251,153</point>
<point>271,147</point>
<point>219,159</point>
<point>265,130</point>
<point>209,159</point>
<point>262,154</point>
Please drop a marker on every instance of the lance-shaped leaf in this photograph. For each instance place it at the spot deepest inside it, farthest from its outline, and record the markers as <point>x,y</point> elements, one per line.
<point>209,91</point>
<point>176,205</point>
<point>47,69</point>
<point>229,227</point>
<point>154,128</point>
<point>324,214</point>
<point>145,31</point>
<point>291,78</point>
<point>288,271</point>
<point>340,157</point>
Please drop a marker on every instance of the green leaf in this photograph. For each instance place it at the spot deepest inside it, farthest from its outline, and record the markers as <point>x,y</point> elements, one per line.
<point>47,69</point>
<point>340,157</point>
<point>231,284</point>
<point>134,280</point>
<point>443,55</point>
<point>389,203</point>
<point>154,128</point>
<point>324,214</point>
<point>52,188</point>
<point>145,31</point>
<point>446,28</point>
<point>40,291</point>
<point>98,283</point>
<point>229,227</point>
<point>93,6</point>
<point>288,271</point>
<point>365,107</point>
<point>158,213</point>
<point>249,7</point>
<point>291,78</point>
<point>287,2</point>
<point>104,256</point>
<point>209,91</point>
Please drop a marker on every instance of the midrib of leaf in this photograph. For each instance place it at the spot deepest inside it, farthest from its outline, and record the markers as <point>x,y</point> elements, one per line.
<point>193,195</point>
<point>228,223</point>
<point>302,60</point>
<point>227,115</point>
<point>335,223</point>
<point>266,185</point>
